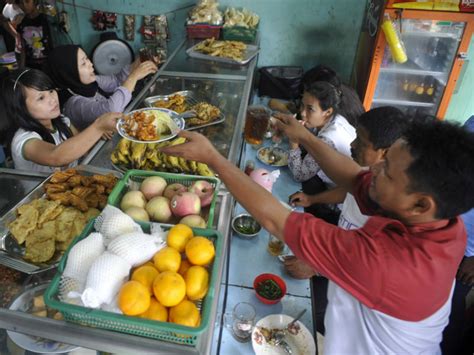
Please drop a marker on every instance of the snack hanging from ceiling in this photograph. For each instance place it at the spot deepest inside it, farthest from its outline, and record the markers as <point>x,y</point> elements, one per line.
<point>227,49</point>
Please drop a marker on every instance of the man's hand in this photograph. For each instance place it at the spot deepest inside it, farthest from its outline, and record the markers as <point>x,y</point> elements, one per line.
<point>288,124</point>
<point>197,148</point>
<point>298,269</point>
<point>466,271</point>
<point>300,199</point>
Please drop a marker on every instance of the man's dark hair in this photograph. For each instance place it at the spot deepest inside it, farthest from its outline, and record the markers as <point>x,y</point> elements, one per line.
<point>443,165</point>
<point>384,125</point>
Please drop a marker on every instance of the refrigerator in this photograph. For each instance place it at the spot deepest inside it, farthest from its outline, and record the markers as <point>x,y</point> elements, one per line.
<point>436,44</point>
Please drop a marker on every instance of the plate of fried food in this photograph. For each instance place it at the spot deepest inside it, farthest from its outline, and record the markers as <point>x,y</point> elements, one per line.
<point>150,125</point>
<point>181,101</point>
<point>233,52</point>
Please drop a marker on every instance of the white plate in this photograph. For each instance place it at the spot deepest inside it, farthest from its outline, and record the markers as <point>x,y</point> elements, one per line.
<point>174,122</point>
<point>301,343</point>
<point>29,342</point>
<point>280,154</point>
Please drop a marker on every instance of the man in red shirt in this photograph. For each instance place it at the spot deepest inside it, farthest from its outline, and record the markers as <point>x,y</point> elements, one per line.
<point>396,273</point>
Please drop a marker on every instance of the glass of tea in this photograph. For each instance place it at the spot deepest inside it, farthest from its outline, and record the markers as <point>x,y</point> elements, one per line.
<point>256,124</point>
<point>275,245</point>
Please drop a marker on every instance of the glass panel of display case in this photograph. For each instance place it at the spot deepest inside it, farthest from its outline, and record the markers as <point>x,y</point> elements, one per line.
<point>16,187</point>
<point>417,85</point>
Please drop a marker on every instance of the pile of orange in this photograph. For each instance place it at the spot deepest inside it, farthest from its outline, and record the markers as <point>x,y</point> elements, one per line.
<point>165,287</point>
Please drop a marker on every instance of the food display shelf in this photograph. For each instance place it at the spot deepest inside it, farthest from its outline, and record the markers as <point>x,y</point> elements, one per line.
<point>227,87</point>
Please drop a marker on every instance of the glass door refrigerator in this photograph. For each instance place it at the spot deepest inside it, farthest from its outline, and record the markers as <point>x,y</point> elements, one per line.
<point>436,44</point>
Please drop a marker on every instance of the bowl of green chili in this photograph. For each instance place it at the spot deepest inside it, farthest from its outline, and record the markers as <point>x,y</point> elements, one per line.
<point>245,226</point>
<point>269,288</point>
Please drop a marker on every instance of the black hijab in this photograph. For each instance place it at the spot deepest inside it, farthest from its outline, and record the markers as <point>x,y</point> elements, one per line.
<point>63,69</point>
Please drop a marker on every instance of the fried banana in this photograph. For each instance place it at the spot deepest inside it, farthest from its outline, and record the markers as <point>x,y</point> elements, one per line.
<point>62,176</point>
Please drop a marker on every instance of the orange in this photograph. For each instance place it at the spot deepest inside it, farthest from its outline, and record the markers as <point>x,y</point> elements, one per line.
<point>185,265</point>
<point>169,288</point>
<point>178,236</point>
<point>145,275</point>
<point>156,311</point>
<point>133,298</point>
<point>167,259</point>
<point>200,251</point>
<point>197,282</point>
<point>148,263</point>
<point>185,313</point>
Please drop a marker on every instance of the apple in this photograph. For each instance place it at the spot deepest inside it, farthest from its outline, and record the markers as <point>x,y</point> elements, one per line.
<point>185,203</point>
<point>159,209</point>
<point>173,189</point>
<point>138,213</point>
<point>194,220</point>
<point>204,190</point>
<point>132,199</point>
<point>153,186</point>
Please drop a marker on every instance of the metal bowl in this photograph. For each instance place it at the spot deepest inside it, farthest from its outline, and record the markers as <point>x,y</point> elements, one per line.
<point>245,221</point>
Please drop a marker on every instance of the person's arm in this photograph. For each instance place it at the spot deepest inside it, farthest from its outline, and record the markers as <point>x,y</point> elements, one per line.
<point>332,196</point>
<point>260,203</point>
<point>44,153</point>
<point>339,168</point>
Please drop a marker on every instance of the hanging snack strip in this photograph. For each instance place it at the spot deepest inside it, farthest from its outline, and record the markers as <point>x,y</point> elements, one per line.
<point>129,24</point>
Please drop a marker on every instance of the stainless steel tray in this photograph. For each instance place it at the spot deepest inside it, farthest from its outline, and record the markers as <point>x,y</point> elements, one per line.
<point>12,257</point>
<point>190,99</point>
<point>250,52</point>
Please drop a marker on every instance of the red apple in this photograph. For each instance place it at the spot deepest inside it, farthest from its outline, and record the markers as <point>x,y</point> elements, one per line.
<point>185,203</point>
<point>204,190</point>
<point>159,209</point>
<point>173,189</point>
<point>153,186</point>
<point>193,220</point>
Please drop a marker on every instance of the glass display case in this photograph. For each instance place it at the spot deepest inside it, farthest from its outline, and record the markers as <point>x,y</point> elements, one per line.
<point>435,43</point>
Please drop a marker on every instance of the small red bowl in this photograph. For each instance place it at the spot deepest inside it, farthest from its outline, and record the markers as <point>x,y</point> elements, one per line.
<point>279,281</point>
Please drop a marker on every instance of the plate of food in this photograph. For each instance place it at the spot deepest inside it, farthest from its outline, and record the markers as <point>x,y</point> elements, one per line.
<point>150,125</point>
<point>273,156</point>
<point>298,339</point>
<point>31,301</point>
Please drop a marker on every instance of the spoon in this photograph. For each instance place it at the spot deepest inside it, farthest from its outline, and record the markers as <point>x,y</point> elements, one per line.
<point>187,114</point>
<point>289,325</point>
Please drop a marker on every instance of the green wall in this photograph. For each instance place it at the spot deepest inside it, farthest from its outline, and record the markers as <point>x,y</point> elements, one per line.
<point>461,106</point>
<point>293,32</point>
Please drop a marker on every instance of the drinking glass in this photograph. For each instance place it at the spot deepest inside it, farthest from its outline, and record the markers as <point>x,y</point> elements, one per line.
<point>256,124</point>
<point>242,321</point>
<point>275,245</point>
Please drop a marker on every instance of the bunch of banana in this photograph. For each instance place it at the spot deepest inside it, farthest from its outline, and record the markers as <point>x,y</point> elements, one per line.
<point>146,156</point>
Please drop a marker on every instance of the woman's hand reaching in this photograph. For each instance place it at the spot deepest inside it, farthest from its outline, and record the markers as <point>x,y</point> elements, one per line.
<point>107,123</point>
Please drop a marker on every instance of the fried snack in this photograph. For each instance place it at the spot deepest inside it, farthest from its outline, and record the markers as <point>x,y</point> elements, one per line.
<point>91,213</point>
<point>25,223</point>
<point>74,181</point>
<point>40,244</point>
<point>62,197</point>
<point>62,176</point>
<point>205,113</point>
<point>78,202</point>
<point>82,191</point>
<point>100,189</point>
<point>92,200</point>
<point>47,210</point>
<point>55,188</point>
<point>107,180</point>
<point>86,180</point>
<point>102,201</point>
<point>227,49</point>
<point>175,102</point>
<point>64,223</point>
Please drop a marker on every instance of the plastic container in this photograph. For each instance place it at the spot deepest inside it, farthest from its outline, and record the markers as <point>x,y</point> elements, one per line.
<point>165,331</point>
<point>277,279</point>
<point>239,33</point>
<point>203,31</point>
<point>133,178</point>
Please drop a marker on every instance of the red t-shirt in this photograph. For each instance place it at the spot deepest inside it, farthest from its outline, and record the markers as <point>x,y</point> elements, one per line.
<point>404,271</point>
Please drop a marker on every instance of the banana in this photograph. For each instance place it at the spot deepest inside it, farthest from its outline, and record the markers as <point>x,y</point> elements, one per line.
<point>204,170</point>
<point>138,154</point>
<point>123,147</point>
<point>123,159</point>
<point>192,166</point>
<point>174,162</point>
<point>114,158</point>
<point>184,165</point>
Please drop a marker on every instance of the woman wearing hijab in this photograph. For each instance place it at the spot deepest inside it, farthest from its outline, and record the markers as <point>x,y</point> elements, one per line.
<point>84,95</point>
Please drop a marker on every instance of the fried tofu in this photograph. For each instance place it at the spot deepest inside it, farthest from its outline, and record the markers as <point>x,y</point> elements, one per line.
<point>25,223</point>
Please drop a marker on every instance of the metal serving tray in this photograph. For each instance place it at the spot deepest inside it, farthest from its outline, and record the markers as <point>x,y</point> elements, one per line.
<point>190,99</point>
<point>12,255</point>
<point>250,52</point>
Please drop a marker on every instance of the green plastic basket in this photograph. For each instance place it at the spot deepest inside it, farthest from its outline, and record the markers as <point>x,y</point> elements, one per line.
<point>133,178</point>
<point>165,331</point>
<point>239,33</point>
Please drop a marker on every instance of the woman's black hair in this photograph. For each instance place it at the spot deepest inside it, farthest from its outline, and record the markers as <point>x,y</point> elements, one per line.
<point>350,106</point>
<point>327,94</point>
<point>14,95</point>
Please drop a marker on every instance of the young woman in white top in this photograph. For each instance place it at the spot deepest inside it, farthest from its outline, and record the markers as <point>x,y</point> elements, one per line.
<point>44,140</point>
